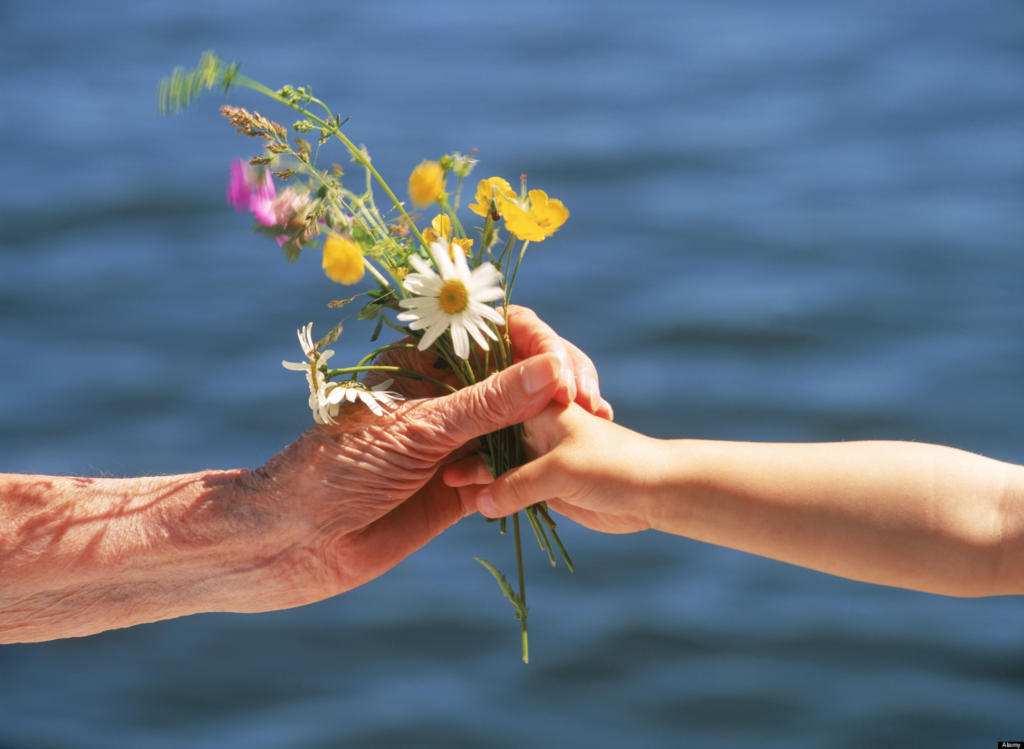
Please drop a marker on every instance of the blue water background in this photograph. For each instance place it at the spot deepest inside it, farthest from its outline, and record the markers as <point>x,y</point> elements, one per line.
<point>790,221</point>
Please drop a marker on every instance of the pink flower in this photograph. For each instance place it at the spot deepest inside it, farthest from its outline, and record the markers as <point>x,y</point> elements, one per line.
<point>288,207</point>
<point>288,210</point>
<point>253,190</point>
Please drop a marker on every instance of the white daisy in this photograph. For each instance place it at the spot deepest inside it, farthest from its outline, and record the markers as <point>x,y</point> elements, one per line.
<point>373,398</point>
<point>325,397</point>
<point>314,377</point>
<point>456,299</point>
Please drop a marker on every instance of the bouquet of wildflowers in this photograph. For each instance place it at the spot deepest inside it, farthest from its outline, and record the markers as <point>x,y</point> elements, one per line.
<point>431,282</point>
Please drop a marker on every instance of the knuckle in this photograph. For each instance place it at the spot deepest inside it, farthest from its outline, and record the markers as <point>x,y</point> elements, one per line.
<point>488,403</point>
<point>521,314</point>
<point>529,316</point>
<point>454,419</point>
<point>582,360</point>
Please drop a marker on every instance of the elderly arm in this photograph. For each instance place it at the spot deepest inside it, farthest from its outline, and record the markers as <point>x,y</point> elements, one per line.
<point>338,507</point>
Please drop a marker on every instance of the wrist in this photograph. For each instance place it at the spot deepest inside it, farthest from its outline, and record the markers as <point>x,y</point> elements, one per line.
<point>209,541</point>
<point>672,478</point>
<point>643,469</point>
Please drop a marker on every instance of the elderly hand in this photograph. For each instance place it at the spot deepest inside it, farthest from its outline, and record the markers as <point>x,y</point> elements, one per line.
<point>367,492</point>
<point>347,502</point>
<point>352,500</point>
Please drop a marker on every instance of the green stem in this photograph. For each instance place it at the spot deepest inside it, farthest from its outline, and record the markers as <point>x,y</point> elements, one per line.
<point>538,531</point>
<point>456,224</point>
<point>515,272</point>
<point>399,371</point>
<point>332,128</point>
<point>542,510</point>
<point>377,274</point>
<point>486,240</point>
<point>458,193</point>
<point>371,219</point>
<point>505,250</point>
<point>390,347</point>
<point>522,587</point>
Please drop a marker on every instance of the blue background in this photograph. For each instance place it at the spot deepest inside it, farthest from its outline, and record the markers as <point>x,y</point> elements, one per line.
<point>790,221</point>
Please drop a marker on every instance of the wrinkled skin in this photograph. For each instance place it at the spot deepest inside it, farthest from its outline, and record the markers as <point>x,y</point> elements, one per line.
<point>349,501</point>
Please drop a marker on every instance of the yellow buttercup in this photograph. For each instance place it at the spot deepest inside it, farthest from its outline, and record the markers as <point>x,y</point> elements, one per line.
<point>541,218</point>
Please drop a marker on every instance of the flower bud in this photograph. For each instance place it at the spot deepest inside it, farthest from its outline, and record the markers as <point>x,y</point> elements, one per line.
<point>463,164</point>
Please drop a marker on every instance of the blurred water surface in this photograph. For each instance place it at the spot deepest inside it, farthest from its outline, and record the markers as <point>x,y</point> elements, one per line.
<point>790,221</point>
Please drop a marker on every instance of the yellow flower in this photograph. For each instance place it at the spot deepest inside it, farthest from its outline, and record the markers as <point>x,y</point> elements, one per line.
<point>542,218</point>
<point>426,183</point>
<point>464,242</point>
<point>343,260</point>
<point>441,228</point>
<point>492,187</point>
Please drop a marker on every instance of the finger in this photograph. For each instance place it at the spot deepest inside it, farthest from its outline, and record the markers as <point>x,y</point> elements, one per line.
<point>541,433</point>
<point>467,472</point>
<point>466,451</point>
<point>405,529</point>
<point>505,398</point>
<point>588,390</point>
<point>541,479</point>
<point>531,336</point>
<point>537,481</point>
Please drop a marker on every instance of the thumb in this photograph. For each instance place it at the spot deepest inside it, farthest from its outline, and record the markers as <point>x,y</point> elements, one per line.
<point>537,481</point>
<point>503,399</point>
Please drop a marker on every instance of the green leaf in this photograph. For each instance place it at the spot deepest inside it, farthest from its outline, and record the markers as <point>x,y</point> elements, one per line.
<point>291,251</point>
<point>506,589</point>
<point>376,331</point>
<point>182,87</point>
<point>331,337</point>
<point>229,76</point>
<point>362,237</point>
<point>370,311</point>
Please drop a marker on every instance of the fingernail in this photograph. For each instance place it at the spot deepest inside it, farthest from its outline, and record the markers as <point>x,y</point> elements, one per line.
<point>485,504</point>
<point>609,409</point>
<point>537,375</point>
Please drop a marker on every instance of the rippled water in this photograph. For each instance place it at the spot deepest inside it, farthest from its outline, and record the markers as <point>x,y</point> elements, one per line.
<point>790,221</point>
